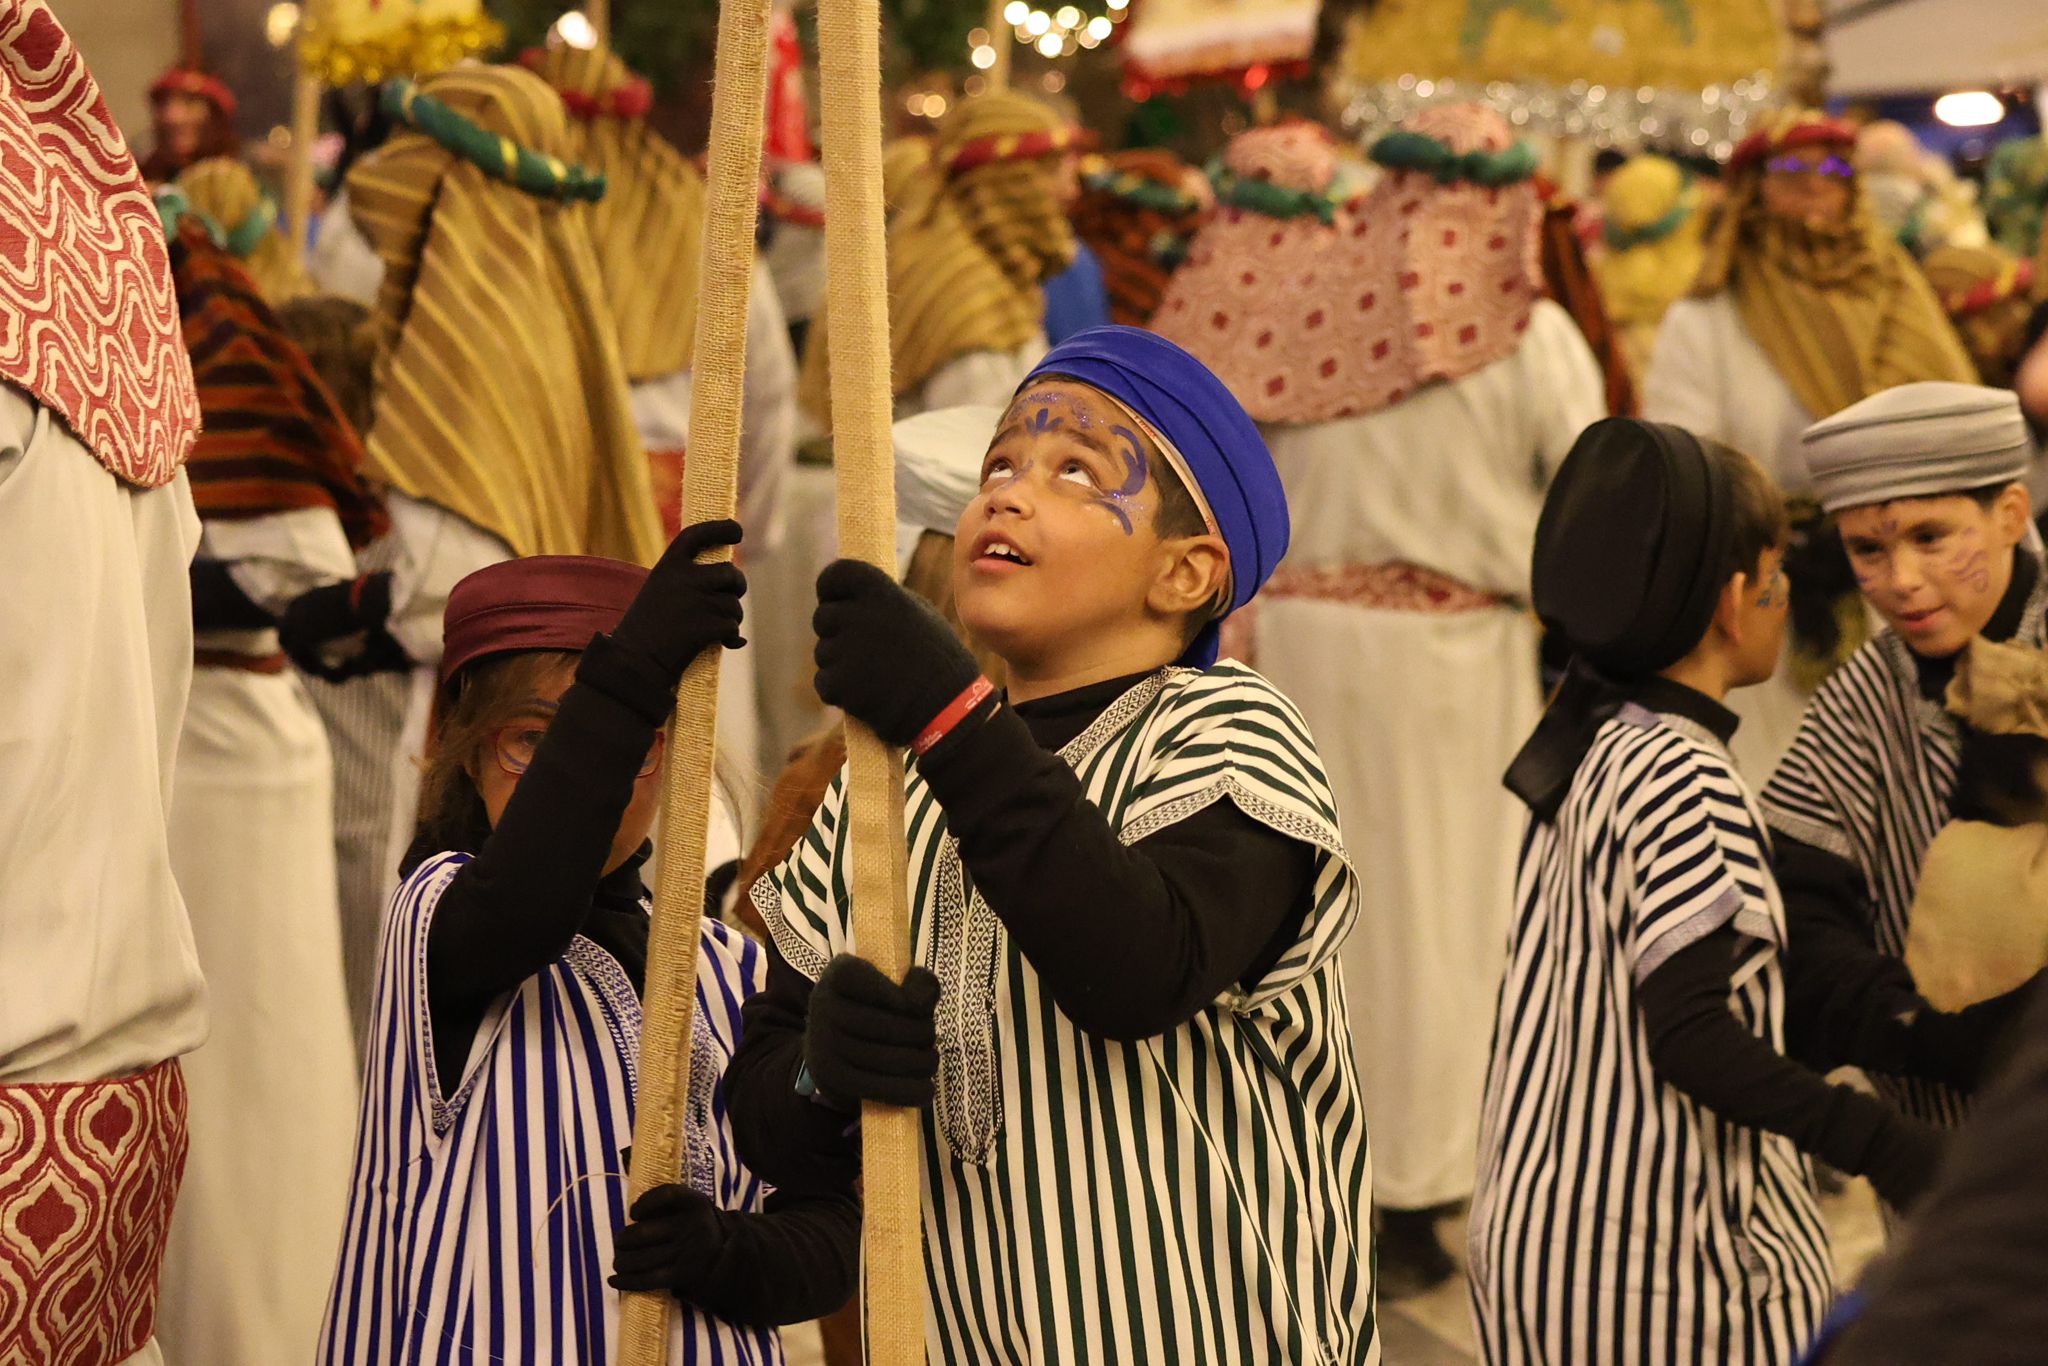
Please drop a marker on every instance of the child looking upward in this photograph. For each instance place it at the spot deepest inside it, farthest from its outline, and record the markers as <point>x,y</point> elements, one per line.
<point>1643,1195</point>
<point>1144,1139</point>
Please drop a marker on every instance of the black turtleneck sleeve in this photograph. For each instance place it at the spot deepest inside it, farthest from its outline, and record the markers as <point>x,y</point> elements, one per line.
<point>1210,901</point>
<point>513,908</point>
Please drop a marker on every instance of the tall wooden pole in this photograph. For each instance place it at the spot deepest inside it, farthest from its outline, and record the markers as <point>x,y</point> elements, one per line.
<point>298,171</point>
<point>710,490</point>
<point>1002,37</point>
<point>863,457</point>
<point>599,13</point>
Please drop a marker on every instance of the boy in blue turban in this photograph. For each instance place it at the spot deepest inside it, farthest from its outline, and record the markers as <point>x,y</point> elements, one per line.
<point>1127,891</point>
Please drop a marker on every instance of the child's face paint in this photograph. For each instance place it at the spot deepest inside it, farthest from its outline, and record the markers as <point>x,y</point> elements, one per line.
<point>1060,544</point>
<point>1761,617</point>
<point>1934,568</point>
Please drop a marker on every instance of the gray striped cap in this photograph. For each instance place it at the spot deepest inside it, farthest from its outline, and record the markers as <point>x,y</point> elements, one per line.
<point>1917,441</point>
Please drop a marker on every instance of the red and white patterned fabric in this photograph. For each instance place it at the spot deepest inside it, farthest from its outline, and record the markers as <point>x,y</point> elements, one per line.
<point>89,1172</point>
<point>1389,587</point>
<point>88,321</point>
<point>1258,298</point>
<point>1417,282</point>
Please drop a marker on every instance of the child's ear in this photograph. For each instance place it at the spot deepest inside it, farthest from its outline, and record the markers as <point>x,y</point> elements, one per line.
<point>2010,513</point>
<point>1728,609</point>
<point>1193,576</point>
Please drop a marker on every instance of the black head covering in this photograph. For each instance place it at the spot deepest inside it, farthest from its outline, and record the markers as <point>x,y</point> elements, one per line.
<point>1629,549</point>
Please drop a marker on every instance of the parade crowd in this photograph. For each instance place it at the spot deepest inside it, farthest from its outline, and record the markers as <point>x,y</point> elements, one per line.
<point>1427,704</point>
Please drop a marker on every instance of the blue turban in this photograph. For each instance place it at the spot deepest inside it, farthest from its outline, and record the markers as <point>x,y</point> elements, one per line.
<point>1219,447</point>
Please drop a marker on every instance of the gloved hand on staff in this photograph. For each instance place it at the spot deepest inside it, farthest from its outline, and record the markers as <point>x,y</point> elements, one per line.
<point>885,657</point>
<point>868,1038</point>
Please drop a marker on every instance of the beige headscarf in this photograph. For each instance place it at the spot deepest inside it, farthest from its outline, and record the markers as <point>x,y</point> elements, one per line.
<point>226,192</point>
<point>501,395</point>
<point>1841,310</point>
<point>975,229</point>
<point>649,227</point>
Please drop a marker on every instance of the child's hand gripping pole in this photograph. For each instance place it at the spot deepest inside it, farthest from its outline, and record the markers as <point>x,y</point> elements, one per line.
<point>710,491</point>
<point>857,302</point>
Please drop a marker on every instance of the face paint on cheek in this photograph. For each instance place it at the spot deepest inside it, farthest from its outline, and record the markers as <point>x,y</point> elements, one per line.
<point>1118,501</point>
<point>1775,591</point>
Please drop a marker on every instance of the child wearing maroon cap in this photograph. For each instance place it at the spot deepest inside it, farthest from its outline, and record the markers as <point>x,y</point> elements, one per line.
<point>488,1213</point>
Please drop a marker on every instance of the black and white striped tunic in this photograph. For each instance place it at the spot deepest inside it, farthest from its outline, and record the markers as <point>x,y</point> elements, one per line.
<point>1869,778</point>
<point>486,1193</point>
<point>1617,1220</point>
<point>1201,1196</point>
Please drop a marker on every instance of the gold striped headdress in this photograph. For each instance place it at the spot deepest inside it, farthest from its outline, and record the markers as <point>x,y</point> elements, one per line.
<point>649,227</point>
<point>242,220</point>
<point>977,225</point>
<point>501,395</point>
<point>1841,310</point>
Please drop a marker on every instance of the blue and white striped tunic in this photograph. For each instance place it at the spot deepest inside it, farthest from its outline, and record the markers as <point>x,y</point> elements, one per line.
<point>1617,1220</point>
<point>482,1211</point>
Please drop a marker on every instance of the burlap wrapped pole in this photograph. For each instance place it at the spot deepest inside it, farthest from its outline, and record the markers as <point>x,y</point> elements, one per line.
<point>710,490</point>
<point>298,173</point>
<point>850,65</point>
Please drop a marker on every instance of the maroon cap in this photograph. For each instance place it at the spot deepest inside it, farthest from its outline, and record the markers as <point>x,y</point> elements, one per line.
<point>543,602</point>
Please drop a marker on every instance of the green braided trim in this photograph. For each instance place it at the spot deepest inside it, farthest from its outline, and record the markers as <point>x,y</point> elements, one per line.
<point>1264,197</point>
<point>544,177</point>
<point>249,233</point>
<point>1621,239</point>
<point>1146,194</point>
<point>173,208</point>
<point>1403,150</point>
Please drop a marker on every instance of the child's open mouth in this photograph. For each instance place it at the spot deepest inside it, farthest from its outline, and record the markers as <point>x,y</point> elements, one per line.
<point>993,550</point>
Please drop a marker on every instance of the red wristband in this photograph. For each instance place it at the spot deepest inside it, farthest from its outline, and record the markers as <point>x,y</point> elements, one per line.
<point>955,712</point>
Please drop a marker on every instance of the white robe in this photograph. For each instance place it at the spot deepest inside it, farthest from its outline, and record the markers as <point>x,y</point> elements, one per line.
<point>1417,715</point>
<point>1709,376</point>
<point>272,1094</point>
<point>98,973</point>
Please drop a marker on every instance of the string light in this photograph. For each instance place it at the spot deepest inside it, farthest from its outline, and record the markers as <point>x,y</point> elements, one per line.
<point>1055,33</point>
<point>575,29</point>
<point>280,22</point>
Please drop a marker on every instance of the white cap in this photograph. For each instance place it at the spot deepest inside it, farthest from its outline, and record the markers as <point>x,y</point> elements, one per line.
<point>1917,440</point>
<point>938,471</point>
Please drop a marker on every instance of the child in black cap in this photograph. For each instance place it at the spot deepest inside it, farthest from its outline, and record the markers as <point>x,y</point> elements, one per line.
<point>1643,1191</point>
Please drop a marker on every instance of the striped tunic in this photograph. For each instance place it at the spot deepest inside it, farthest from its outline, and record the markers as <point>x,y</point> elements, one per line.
<point>1869,778</point>
<point>481,1215</point>
<point>1617,1220</point>
<point>1200,1196</point>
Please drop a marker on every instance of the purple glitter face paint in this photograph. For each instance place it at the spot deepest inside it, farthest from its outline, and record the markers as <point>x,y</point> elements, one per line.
<point>1117,501</point>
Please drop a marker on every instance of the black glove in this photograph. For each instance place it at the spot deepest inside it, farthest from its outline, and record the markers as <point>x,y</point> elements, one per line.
<point>868,1038</point>
<point>685,607</point>
<point>218,602</point>
<point>884,656</point>
<point>315,619</point>
<point>1903,1158</point>
<point>673,1243</point>
<point>1963,1047</point>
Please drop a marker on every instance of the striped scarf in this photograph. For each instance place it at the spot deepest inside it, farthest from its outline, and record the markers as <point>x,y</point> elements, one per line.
<point>649,227</point>
<point>1137,214</point>
<point>1841,310</point>
<point>501,394</point>
<point>274,438</point>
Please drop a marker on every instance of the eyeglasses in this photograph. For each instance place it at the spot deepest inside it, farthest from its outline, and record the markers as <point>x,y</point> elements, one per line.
<point>1833,167</point>
<point>516,745</point>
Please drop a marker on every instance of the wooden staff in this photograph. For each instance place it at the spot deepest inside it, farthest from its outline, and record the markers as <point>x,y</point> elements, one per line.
<point>1002,38</point>
<point>863,458</point>
<point>710,490</point>
<point>298,171</point>
<point>599,13</point>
